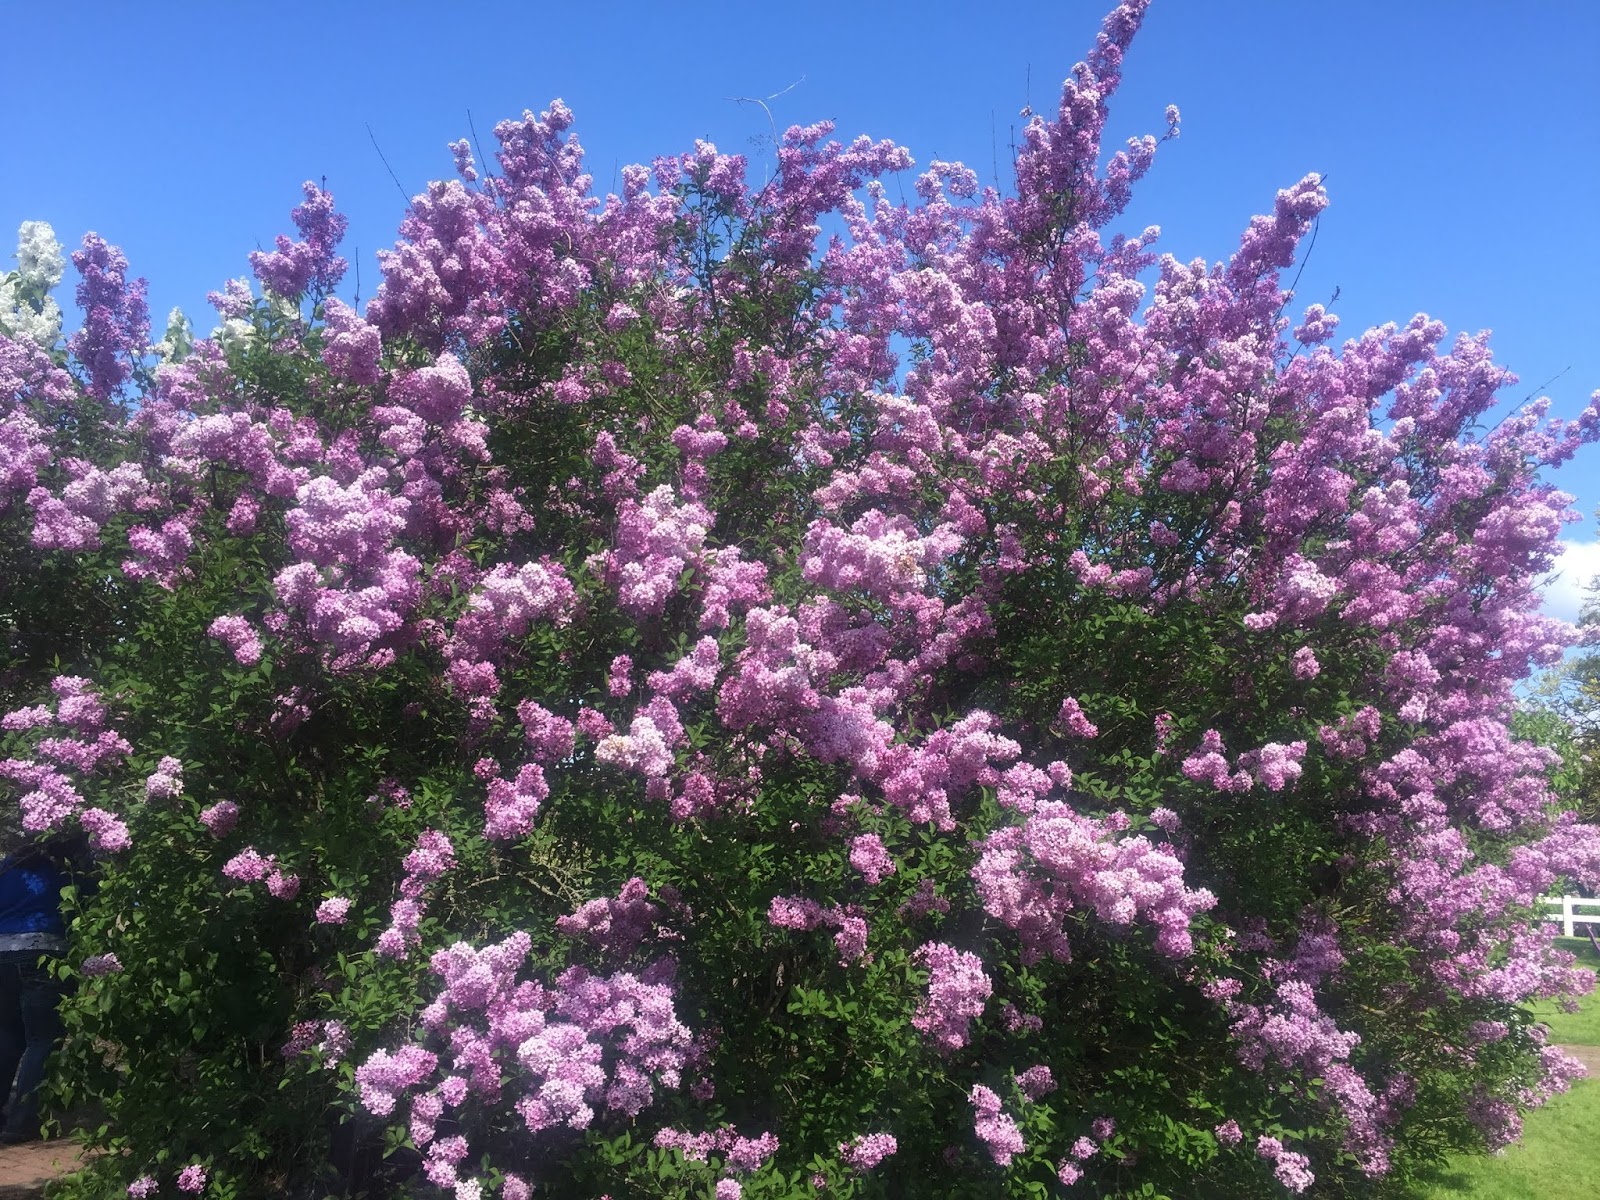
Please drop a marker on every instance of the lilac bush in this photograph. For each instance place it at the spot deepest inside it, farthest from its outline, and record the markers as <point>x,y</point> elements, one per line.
<point>667,703</point>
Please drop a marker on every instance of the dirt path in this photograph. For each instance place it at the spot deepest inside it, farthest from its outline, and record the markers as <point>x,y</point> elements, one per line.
<point>25,1169</point>
<point>1589,1056</point>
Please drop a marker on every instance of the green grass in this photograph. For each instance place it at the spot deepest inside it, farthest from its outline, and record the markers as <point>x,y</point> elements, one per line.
<point>1559,1155</point>
<point>1581,1028</point>
<point>1557,1159</point>
<point>1582,948</point>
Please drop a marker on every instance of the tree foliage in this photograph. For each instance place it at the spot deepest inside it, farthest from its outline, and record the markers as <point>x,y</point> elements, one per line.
<point>667,704</point>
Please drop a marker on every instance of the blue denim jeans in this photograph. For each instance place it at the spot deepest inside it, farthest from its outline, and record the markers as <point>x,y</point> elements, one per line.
<point>30,1028</point>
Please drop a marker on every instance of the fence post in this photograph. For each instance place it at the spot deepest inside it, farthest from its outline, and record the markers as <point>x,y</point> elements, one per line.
<point>1570,917</point>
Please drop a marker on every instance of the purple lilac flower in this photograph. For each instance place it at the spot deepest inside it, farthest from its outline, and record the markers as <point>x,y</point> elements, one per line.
<point>867,1150</point>
<point>869,856</point>
<point>957,989</point>
<point>1036,1082</point>
<point>332,911</point>
<point>220,818</point>
<point>995,1128</point>
<point>166,781</point>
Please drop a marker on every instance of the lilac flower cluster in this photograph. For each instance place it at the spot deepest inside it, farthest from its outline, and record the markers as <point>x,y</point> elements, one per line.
<point>296,267</point>
<point>73,520</point>
<point>1292,1170</point>
<point>332,911</point>
<point>656,541</point>
<point>584,1045</point>
<point>957,990</point>
<point>793,912</point>
<point>50,796</point>
<point>249,866</point>
<point>1030,877</point>
<point>869,856</point>
<point>615,925</point>
<point>350,589</point>
<point>239,636</point>
<point>505,603</point>
<point>867,1150</point>
<point>1036,1082</point>
<point>220,818</point>
<point>512,804</point>
<point>116,324</point>
<point>331,1039</point>
<point>192,1179</point>
<point>738,1153</point>
<point>995,1128</point>
<point>432,858</point>
<point>166,781</point>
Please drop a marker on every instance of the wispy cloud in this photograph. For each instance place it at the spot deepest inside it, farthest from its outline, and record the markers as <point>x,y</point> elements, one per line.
<point>1567,588</point>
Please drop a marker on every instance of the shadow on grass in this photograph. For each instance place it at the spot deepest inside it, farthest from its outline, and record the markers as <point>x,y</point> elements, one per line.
<point>1583,948</point>
<point>1557,1159</point>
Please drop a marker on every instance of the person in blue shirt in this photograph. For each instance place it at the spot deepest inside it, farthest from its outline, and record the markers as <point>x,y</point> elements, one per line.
<point>31,928</point>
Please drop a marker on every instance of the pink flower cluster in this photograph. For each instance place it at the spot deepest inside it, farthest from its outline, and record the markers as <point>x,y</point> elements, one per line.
<point>248,866</point>
<point>73,521</point>
<point>738,1153</point>
<point>869,856</point>
<point>1031,876</point>
<point>656,541</point>
<point>331,1039</point>
<point>1291,1169</point>
<point>50,795</point>
<point>506,602</point>
<point>957,990</point>
<point>867,1150</point>
<point>166,781</point>
<point>431,858</point>
<point>243,642</point>
<point>1036,1082</point>
<point>513,804</point>
<point>586,1044</point>
<point>192,1179</point>
<point>794,912</point>
<point>995,1128</point>
<point>615,925</point>
<point>220,818</point>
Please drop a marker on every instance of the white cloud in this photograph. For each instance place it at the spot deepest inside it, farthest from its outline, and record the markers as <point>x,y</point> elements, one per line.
<point>1566,589</point>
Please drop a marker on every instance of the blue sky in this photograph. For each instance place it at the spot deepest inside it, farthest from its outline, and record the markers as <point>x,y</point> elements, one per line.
<point>1460,138</point>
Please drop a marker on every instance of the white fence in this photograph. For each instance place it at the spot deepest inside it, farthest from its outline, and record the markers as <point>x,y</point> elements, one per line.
<point>1568,914</point>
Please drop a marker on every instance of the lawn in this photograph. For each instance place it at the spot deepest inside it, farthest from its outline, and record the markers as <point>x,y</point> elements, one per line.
<point>1581,1028</point>
<point>1557,1159</point>
<point>1559,1155</point>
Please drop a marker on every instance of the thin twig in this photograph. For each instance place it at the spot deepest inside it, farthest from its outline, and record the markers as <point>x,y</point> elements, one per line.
<point>1312,245</point>
<point>483,162</point>
<point>763,103</point>
<point>1546,384</point>
<point>771,121</point>
<point>387,167</point>
<point>994,151</point>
